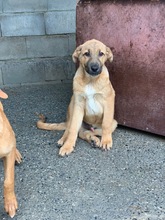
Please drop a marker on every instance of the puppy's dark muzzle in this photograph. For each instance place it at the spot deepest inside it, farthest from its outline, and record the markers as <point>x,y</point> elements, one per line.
<point>93,69</point>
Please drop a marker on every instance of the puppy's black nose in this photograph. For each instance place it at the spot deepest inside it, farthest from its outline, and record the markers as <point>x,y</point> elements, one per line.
<point>94,67</point>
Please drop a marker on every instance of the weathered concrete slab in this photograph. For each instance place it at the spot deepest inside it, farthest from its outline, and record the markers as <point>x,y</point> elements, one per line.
<point>23,38</point>
<point>12,48</point>
<point>26,6</point>
<point>22,24</point>
<point>60,22</point>
<point>47,46</point>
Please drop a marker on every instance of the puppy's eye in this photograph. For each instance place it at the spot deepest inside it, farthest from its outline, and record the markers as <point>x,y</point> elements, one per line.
<point>87,54</point>
<point>101,54</point>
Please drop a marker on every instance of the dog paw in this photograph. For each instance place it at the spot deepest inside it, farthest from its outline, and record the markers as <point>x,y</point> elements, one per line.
<point>18,156</point>
<point>106,143</point>
<point>65,150</point>
<point>60,142</point>
<point>11,206</point>
<point>95,141</point>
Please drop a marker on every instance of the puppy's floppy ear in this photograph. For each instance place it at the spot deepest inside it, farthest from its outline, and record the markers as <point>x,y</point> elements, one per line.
<point>76,54</point>
<point>109,54</point>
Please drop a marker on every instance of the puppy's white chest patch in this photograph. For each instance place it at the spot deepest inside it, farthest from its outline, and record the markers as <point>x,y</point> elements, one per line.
<point>93,107</point>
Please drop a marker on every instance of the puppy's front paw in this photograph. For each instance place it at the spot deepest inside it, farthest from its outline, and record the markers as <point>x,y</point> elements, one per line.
<point>65,150</point>
<point>11,205</point>
<point>106,142</point>
<point>60,142</point>
<point>18,156</point>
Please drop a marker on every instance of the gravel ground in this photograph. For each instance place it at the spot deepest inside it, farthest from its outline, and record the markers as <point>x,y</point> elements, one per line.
<point>125,183</point>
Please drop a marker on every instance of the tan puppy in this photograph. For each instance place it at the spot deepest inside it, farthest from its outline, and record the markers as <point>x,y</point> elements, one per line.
<point>91,110</point>
<point>10,154</point>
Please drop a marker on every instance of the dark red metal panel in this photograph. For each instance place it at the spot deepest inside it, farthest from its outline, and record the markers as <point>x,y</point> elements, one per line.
<point>135,31</point>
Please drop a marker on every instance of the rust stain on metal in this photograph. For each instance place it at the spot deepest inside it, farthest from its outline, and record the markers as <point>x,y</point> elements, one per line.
<point>135,31</point>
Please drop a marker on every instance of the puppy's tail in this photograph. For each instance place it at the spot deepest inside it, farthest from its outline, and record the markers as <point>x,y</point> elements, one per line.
<point>41,124</point>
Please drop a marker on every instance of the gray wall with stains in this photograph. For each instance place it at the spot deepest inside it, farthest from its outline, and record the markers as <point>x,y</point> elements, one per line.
<point>37,38</point>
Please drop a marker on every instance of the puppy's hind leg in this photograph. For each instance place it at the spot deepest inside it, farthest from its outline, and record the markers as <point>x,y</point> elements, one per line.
<point>91,136</point>
<point>114,125</point>
<point>62,140</point>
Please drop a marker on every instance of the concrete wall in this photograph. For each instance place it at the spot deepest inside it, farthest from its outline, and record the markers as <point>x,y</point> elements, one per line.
<point>37,38</point>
